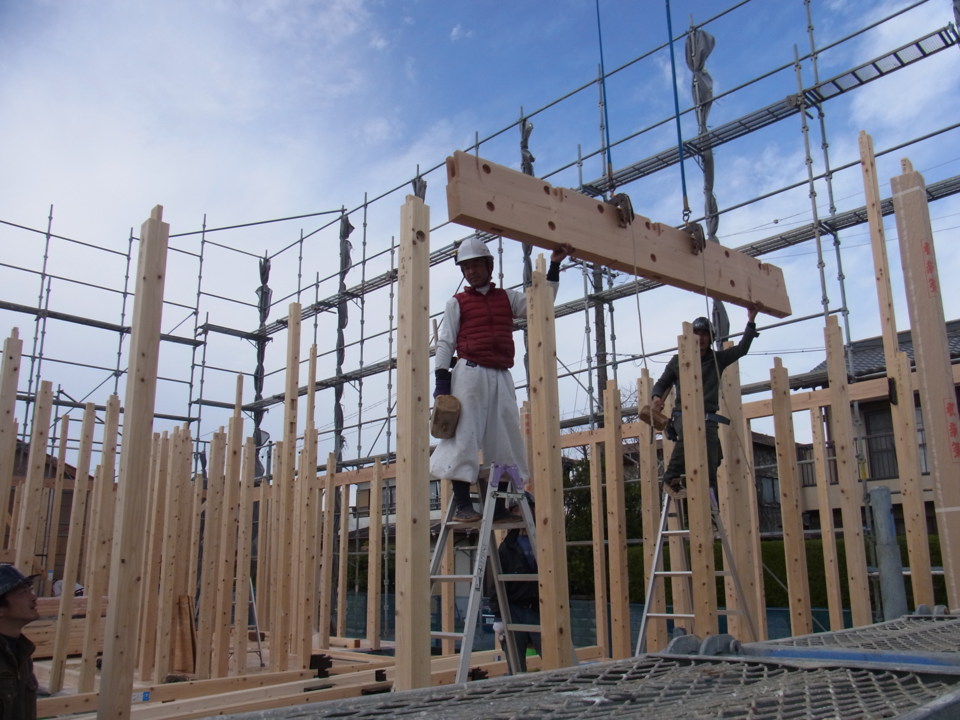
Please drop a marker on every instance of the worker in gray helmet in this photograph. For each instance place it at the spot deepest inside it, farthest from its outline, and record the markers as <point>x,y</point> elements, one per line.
<point>712,365</point>
<point>18,607</point>
<point>477,327</point>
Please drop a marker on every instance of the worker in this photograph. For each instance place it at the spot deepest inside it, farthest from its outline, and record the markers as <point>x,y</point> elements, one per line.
<point>18,607</point>
<point>518,557</point>
<point>478,326</point>
<point>712,365</point>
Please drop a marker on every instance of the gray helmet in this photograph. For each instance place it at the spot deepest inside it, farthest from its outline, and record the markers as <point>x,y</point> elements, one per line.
<point>473,247</point>
<point>702,326</point>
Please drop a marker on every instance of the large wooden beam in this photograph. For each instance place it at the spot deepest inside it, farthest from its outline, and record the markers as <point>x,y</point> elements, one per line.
<point>620,645</point>
<point>494,198</point>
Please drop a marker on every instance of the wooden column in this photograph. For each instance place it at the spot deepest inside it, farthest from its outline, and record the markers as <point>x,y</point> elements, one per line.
<point>244,545</point>
<point>119,651</point>
<point>650,505</point>
<point>99,546</point>
<point>848,476</point>
<point>828,535</point>
<point>598,515</point>
<point>902,409</point>
<point>155,522</point>
<point>737,496</point>
<point>227,556</point>
<point>798,587</point>
<point>448,590</point>
<point>31,512</point>
<point>620,638</point>
<point>308,492</point>
<point>343,556</point>
<point>71,567</point>
<point>324,613</point>
<point>374,557</point>
<point>212,518</point>
<point>9,376</point>
<point>938,398</point>
<point>56,503</point>
<point>698,490</point>
<point>547,473</point>
<point>413,449</point>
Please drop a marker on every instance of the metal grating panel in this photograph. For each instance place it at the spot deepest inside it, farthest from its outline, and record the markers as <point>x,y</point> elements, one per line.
<point>672,687</point>
<point>907,634</point>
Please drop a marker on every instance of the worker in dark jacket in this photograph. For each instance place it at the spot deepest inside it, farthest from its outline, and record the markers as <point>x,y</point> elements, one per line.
<point>18,684</point>
<point>518,556</point>
<point>712,365</point>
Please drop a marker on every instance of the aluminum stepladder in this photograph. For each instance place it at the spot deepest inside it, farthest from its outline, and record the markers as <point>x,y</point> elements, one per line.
<point>487,549</point>
<point>671,498</point>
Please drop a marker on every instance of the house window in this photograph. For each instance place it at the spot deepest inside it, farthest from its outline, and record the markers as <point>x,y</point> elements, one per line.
<point>881,452</point>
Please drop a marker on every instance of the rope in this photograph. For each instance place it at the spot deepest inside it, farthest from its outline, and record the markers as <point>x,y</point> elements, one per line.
<point>676,115</point>
<point>603,96</point>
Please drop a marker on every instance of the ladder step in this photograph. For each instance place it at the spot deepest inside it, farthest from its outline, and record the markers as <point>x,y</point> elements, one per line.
<point>675,532</point>
<point>451,578</point>
<point>518,577</point>
<point>446,635</point>
<point>523,627</point>
<point>671,615</point>
<point>673,573</point>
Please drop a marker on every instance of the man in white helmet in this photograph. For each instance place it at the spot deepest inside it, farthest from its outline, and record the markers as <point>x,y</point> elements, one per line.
<point>712,365</point>
<point>478,327</point>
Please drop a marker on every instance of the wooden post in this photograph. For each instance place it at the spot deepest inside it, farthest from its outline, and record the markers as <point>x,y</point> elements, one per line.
<point>598,515</point>
<point>448,590</point>
<point>828,536</point>
<point>698,490</point>
<point>938,398</point>
<point>212,517</point>
<point>177,510</point>
<point>155,521</point>
<point>244,541</point>
<point>99,545</point>
<point>848,478</point>
<point>413,449</point>
<point>326,549</point>
<point>71,564</point>
<point>53,526</point>
<point>801,617</point>
<point>25,557</point>
<point>547,472</point>
<point>9,376</point>
<point>120,644</point>
<point>374,559</point>
<point>902,410</point>
<point>737,496</point>
<point>309,505</point>
<point>343,556</point>
<point>657,637</point>
<point>227,560</point>
<point>279,637</point>
<point>620,637</point>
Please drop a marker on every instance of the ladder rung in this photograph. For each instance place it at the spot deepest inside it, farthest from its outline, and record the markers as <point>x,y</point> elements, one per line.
<point>448,635</point>
<point>523,627</point>
<point>676,532</point>
<point>671,615</point>
<point>518,577</point>
<point>674,573</point>
<point>451,578</point>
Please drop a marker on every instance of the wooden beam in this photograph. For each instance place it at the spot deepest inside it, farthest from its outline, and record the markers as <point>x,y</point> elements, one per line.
<point>413,448</point>
<point>308,542</point>
<point>848,476</point>
<point>494,198</point>
<point>343,557</point>
<point>938,397</point>
<point>244,549</point>
<point>126,570</point>
<point>798,584</point>
<point>53,523</point>
<point>326,553</point>
<point>9,377</point>
<point>547,472</point>
<point>155,522</point>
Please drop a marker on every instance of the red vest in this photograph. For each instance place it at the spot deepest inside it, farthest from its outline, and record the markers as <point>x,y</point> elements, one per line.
<point>486,328</point>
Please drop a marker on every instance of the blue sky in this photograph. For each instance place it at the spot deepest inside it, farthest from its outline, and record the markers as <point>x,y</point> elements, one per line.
<point>245,111</point>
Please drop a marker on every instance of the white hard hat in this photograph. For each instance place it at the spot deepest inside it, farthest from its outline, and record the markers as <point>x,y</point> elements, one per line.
<point>472,247</point>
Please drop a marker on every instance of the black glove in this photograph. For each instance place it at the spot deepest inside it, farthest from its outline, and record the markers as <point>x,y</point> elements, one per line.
<point>670,431</point>
<point>442,382</point>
